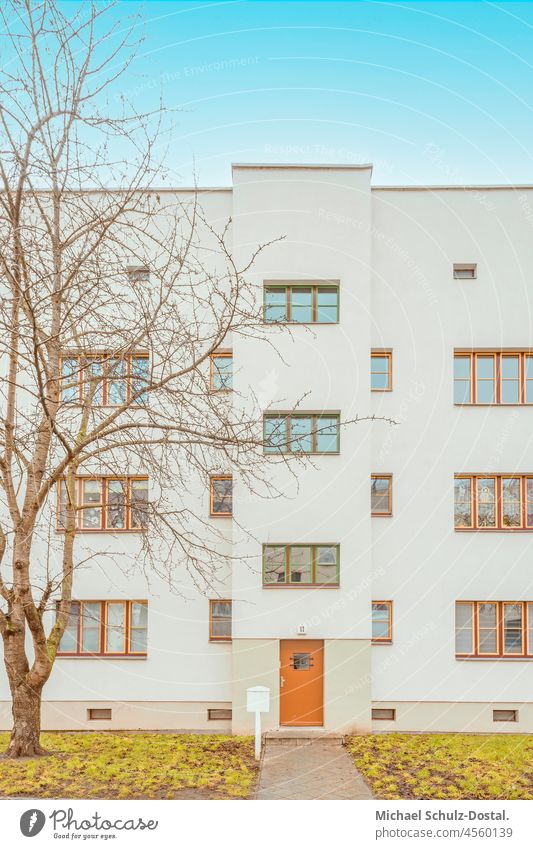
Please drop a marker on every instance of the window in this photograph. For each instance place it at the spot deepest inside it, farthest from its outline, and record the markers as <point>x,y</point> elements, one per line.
<point>381,495</point>
<point>221,371</point>
<point>382,621</point>
<point>465,270</point>
<point>301,433</point>
<point>106,504</point>
<point>502,377</point>
<point>106,628</point>
<point>105,380</point>
<point>494,629</point>
<point>99,713</point>
<point>381,371</point>
<point>384,713</point>
<point>220,620</point>
<point>493,502</point>
<point>503,715</point>
<point>219,713</point>
<point>138,274</point>
<point>301,304</point>
<point>221,501</point>
<point>300,565</point>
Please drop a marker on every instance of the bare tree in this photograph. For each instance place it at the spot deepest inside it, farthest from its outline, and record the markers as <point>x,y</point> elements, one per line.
<point>106,369</point>
<point>112,303</point>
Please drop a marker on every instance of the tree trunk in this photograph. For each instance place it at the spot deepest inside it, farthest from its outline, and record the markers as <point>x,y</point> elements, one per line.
<point>25,735</point>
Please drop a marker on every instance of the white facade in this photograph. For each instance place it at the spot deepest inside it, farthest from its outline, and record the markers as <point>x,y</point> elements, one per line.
<point>391,251</point>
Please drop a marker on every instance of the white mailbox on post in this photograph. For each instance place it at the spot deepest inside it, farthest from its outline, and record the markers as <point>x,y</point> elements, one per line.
<point>258,702</point>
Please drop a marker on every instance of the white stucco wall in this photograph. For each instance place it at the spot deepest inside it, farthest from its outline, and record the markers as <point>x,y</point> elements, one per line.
<point>392,251</point>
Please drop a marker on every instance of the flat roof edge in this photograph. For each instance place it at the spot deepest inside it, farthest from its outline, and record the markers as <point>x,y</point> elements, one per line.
<point>457,188</point>
<point>344,166</point>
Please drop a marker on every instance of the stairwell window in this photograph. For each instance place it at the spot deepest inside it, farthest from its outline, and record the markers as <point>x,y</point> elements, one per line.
<point>221,498</point>
<point>220,620</point>
<point>487,378</point>
<point>301,303</point>
<point>105,380</point>
<point>298,565</point>
<point>493,502</point>
<point>106,504</point>
<point>301,433</point>
<point>381,495</point>
<point>381,371</point>
<point>221,371</point>
<point>494,629</point>
<point>382,621</point>
<point>115,628</point>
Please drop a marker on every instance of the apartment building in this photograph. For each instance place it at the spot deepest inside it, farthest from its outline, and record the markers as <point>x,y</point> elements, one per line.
<point>391,587</point>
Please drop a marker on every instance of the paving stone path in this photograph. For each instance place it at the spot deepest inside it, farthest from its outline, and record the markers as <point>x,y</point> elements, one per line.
<point>309,769</point>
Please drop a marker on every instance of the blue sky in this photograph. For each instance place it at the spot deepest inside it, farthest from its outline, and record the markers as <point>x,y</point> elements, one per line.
<point>430,92</point>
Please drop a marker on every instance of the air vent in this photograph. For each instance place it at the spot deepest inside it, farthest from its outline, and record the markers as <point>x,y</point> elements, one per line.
<point>219,713</point>
<point>99,713</point>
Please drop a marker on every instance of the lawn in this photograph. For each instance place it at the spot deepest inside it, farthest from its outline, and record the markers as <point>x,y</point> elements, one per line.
<point>446,766</point>
<point>133,766</point>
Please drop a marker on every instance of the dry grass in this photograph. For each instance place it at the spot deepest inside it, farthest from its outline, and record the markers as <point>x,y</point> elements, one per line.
<point>133,766</point>
<point>446,766</point>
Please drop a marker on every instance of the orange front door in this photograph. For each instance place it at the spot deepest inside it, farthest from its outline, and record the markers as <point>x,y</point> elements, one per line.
<point>301,682</point>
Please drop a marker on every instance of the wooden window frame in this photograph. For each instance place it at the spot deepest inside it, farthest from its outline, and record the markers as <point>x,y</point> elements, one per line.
<point>127,653</point>
<point>103,505</point>
<point>497,356</point>
<point>500,653</point>
<point>212,637</point>
<point>288,287</point>
<point>215,356</point>
<point>315,428</point>
<point>86,359</point>
<point>287,584</point>
<point>388,477</point>
<point>388,639</point>
<point>387,354</point>
<point>212,513</point>
<point>390,718</point>
<point>498,527</point>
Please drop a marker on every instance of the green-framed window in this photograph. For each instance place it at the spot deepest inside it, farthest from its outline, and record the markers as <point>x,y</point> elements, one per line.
<point>301,304</point>
<point>301,433</point>
<point>301,565</point>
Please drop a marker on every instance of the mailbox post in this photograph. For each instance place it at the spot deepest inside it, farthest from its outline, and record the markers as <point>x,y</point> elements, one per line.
<point>258,702</point>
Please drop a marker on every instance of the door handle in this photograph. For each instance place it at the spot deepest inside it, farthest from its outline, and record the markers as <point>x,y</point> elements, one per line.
<point>281,680</point>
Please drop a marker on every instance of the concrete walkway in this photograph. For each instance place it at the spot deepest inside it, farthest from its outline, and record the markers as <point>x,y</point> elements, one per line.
<point>309,769</point>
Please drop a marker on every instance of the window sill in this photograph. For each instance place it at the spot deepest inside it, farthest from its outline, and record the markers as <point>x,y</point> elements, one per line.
<point>130,405</point>
<point>301,586</point>
<point>506,657</point>
<point>382,390</point>
<point>301,323</point>
<point>101,656</point>
<point>381,515</point>
<point>221,515</point>
<point>381,642</point>
<point>105,530</point>
<point>220,639</point>
<point>494,404</point>
<point>494,530</point>
<point>301,453</point>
